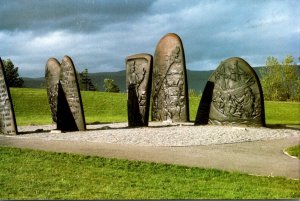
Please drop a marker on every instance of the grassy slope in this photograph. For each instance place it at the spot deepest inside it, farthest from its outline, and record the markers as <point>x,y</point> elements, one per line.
<point>28,174</point>
<point>31,107</point>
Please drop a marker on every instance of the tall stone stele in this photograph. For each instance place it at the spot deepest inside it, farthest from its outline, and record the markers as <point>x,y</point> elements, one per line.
<point>138,83</point>
<point>232,96</point>
<point>8,125</point>
<point>169,85</point>
<point>64,95</point>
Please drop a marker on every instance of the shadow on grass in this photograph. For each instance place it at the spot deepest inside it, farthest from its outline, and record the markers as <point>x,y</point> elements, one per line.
<point>106,127</point>
<point>35,131</point>
<point>284,126</point>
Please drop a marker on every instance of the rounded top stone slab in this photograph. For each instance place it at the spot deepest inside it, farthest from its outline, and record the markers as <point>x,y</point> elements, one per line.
<point>52,71</point>
<point>232,95</point>
<point>170,88</point>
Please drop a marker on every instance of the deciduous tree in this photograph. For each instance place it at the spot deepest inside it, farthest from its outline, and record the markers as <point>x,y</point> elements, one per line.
<point>281,81</point>
<point>110,86</point>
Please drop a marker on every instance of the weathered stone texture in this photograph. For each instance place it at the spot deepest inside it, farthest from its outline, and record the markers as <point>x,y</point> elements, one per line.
<point>71,89</point>
<point>233,95</point>
<point>8,125</point>
<point>138,83</point>
<point>64,95</point>
<point>169,86</point>
<point>52,75</point>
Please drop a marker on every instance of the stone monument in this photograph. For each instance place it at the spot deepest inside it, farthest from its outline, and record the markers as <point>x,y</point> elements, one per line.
<point>138,83</point>
<point>232,95</point>
<point>169,86</point>
<point>64,95</point>
<point>52,75</point>
<point>8,125</point>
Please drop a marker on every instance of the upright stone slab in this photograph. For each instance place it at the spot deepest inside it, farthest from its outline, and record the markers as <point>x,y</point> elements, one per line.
<point>64,95</point>
<point>138,83</point>
<point>169,86</point>
<point>8,125</point>
<point>52,75</point>
<point>70,86</point>
<point>232,95</point>
<point>65,119</point>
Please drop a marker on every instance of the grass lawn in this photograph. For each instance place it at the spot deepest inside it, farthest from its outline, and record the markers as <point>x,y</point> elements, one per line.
<point>29,174</point>
<point>294,151</point>
<point>282,112</point>
<point>31,107</point>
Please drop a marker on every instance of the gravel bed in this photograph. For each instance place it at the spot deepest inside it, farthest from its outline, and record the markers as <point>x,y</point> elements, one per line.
<point>158,134</point>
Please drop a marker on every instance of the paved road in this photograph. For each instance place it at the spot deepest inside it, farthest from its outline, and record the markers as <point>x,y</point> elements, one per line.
<point>257,158</point>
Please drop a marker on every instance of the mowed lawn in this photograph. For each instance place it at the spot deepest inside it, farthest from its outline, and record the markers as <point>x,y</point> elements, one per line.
<point>32,108</point>
<point>32,174</point>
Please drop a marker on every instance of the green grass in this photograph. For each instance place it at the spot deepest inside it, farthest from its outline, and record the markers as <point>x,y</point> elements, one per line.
<point>282,112</point>
<point>29,174</point>
<point>294,151</point>
<point>31,107</point>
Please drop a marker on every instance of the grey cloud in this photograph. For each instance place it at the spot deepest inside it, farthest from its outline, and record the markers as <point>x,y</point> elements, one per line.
<point>75,15</point>
<point>98,35</point>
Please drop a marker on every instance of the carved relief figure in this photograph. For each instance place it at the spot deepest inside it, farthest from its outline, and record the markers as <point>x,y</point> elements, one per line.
<point>139,76</point>
<point>170,100</point>
<point>236,96</point>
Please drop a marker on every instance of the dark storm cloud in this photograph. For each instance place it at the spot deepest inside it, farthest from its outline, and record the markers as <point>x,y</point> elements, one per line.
<point>99,34</point>
<point>73,15</point>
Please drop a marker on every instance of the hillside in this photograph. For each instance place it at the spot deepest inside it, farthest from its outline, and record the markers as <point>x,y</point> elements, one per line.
<point>196,79</point>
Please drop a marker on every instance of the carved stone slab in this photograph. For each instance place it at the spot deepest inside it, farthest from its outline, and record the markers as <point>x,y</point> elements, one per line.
<point>138,83</point>
<point>232,95</point>
<point>70,87</point>
<point>64,95</point>
<point>52,75</point>
<point>169,86</point>
<point>8,125</point>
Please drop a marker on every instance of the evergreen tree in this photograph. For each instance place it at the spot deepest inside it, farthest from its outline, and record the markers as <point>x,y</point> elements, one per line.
<point>85,83</point>
<point>12,75</point>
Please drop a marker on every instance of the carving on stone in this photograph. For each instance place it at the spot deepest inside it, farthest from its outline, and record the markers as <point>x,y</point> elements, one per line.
<point>8,125</point>
<point>71,89</point>
<point>170,94</point>
<point>64,95</point>
<point>52,75</point>
<point>235,96</point>
<point>138,83</point>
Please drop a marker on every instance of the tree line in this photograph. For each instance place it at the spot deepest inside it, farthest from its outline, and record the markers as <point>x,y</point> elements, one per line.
<point>280,80</point>
<point>85,82</point>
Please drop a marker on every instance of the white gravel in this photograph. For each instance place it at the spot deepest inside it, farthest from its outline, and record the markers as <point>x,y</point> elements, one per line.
<point>159,134</point>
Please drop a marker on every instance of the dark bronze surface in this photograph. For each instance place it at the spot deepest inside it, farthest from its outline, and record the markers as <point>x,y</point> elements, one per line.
<point>232,95</point>
<point>169,87</point>
<point>138,83</point>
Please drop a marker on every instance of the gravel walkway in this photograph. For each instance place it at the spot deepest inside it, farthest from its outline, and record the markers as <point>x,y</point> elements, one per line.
<point>159,134</point>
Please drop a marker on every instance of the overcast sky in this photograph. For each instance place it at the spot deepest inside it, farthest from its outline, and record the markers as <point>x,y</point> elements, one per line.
<point>99,34</point>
